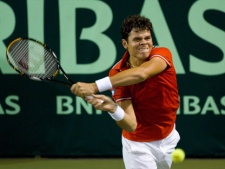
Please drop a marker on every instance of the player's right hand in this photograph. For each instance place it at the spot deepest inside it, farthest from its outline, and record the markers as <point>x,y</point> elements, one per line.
<point>83,89</point>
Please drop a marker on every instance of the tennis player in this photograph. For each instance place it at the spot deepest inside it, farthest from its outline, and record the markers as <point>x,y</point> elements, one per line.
<point>145,93</point>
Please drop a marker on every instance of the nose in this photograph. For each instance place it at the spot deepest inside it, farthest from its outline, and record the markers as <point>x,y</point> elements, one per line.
<point>142,43</point>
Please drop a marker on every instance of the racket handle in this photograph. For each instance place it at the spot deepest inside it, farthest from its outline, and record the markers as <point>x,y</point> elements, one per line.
<point>91,97</point>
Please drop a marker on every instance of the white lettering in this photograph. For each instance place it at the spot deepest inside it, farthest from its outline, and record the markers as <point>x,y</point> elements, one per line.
<point>209,33</point>
<point>152,10</point>
<point>191,102</point>
<point>64,105</point>
<point>178,111</point>
<point>94,34</point>
<point>7,15</point>
<point>35,15</point>
<point>15,108</point>
<point>1,110</point>
<point>222,101</point>
<point>85,105</point>
<point>210,105</point>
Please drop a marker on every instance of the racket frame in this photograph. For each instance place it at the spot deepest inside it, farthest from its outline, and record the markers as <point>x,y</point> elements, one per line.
<point>59,68</point>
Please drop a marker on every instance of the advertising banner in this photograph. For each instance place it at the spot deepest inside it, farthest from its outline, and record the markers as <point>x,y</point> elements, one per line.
<point>44,118</point>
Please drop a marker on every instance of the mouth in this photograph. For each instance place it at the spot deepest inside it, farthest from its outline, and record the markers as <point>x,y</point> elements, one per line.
<point>143,49</point>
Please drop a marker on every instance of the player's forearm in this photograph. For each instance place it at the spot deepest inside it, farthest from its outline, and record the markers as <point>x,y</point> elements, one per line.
<point>127,123</point>
<point>124,78</point>
<point>128,77</point>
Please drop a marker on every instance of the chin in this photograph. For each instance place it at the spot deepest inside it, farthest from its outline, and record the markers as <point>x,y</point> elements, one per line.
<point>144,55</point>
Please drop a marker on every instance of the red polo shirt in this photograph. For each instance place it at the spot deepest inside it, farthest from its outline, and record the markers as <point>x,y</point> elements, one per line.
<point>155,100</point>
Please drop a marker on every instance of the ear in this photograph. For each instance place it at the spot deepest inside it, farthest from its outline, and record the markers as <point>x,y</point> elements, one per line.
<point>124,43</point>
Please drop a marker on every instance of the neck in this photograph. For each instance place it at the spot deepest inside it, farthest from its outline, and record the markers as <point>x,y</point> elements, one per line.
<point>133,62</point>
<point>130,63</point>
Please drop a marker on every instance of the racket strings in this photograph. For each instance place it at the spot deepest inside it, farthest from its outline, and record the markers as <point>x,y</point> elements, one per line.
<point>33,59</point>
<point>18,55</point>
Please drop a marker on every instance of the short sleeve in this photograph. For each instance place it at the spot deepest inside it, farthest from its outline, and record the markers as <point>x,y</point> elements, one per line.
<point>163,53</point>
<point>121,93</point>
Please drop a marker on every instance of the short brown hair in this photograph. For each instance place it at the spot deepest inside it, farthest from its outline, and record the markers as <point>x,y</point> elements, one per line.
<point>135,21</point>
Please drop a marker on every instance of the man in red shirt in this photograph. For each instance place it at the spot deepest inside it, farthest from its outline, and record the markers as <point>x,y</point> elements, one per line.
<point>144,88</point>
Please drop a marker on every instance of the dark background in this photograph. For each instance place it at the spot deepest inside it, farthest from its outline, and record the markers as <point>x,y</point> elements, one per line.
<point>38,130</point>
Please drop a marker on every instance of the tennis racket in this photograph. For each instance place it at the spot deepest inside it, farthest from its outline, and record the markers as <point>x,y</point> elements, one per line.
<point>35,60</point>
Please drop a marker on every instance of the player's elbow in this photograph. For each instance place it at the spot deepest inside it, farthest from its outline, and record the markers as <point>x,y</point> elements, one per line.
<point>141,77</point>
<point>131,127</point>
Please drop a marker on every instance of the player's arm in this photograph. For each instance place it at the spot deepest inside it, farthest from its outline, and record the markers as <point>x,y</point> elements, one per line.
<point>138,74</point>
<point>122,112</point>
<point>130,76</point>
<point>129,122</point>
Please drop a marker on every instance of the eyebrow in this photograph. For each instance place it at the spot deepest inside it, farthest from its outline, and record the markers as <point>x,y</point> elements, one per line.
<point>138,38</point>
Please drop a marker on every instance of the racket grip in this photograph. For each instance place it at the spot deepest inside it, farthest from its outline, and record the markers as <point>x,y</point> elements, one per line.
<point>91,97</point>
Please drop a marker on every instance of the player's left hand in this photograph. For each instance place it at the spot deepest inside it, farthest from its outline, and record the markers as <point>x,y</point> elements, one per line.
<point>102,102</point>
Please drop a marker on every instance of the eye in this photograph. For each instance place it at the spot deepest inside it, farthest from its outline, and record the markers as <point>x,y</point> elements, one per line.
<point>137,39</point>
<point>148,38</point>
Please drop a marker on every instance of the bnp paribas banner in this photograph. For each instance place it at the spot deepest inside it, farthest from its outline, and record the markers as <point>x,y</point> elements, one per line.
<point>43,118</point>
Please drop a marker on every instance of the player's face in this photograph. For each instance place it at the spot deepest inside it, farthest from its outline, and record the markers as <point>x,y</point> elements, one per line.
<point>139,44</point>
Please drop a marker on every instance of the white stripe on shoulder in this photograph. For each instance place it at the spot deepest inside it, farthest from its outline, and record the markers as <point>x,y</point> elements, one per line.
<point>121,99</point>
<point>116,63</point>
<point>162,58</point>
